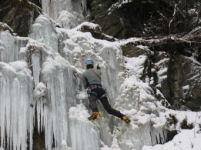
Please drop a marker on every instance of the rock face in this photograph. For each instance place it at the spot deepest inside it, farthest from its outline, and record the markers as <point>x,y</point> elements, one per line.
<point>184,81</point>
<point>4,26</point>
<point>19,15</point>
<point>182,85</point>
<point>124,19</point>
<point>111,24</point>
<point>173,69</point>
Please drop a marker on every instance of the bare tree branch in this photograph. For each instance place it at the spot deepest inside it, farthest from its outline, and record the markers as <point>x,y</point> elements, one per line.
<point>173,16</point>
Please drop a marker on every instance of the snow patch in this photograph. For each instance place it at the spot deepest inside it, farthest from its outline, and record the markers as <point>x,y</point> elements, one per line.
<point>40,90</point>
<point>185,140</point>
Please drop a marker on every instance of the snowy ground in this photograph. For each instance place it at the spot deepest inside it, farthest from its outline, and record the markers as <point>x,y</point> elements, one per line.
<point>185,140</point>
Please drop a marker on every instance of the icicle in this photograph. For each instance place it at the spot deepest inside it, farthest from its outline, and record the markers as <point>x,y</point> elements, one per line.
<point>53,7</point>
<point>16,95</point>
<point>54,96</point>
<point>84,135</point>
<point>43,30</point>
<point>10,46</point>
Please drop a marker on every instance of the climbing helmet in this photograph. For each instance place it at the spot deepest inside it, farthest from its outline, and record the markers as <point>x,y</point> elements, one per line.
<point>89,61</point>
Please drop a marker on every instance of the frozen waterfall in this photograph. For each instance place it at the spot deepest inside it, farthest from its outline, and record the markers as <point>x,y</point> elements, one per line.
<point>40,77</point>
<point>16,121</point>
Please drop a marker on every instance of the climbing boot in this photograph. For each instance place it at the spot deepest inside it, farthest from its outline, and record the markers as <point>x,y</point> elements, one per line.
<point>94,116</point>
<point>126,119</point>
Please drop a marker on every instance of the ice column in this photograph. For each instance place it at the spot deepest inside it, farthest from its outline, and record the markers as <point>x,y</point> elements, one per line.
<point>10,46</point>
<point>84,134</point>
<point>54,76</point>
<point>67,13</point>
<point>43,30</point>
<point>16,121</point>
<point>53,7</point>
<point>61,97</point>
<point>110,73</point>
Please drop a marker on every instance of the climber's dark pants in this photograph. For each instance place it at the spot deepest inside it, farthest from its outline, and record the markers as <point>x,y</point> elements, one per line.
<point>99,93</point>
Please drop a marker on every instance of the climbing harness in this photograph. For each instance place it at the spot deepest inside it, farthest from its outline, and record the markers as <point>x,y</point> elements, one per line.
<point>103,96</point>
<point>93,87</point>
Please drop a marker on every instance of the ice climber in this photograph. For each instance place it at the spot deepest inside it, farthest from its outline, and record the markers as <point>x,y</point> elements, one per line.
<point>92,82</point>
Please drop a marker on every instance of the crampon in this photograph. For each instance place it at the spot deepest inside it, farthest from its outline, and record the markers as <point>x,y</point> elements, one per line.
<point>94,116</point>
<point>126,119</point>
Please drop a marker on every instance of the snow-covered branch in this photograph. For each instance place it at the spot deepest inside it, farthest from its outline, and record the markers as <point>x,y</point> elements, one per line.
<point>173,16</point>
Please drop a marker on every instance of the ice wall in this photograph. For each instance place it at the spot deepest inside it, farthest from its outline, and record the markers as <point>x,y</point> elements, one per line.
<point>16,95</point>
<point>42,73</point>
<point>56,80</point>
<point>10,46</point>
<point>84,134</point>
<point>43,30</point>
<point>54,7</point>
<point>68,13</point>
<point>53,95</point>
